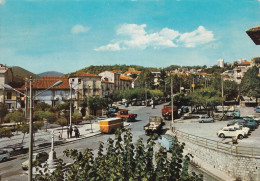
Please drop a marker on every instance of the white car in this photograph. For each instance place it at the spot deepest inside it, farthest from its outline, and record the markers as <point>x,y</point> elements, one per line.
<point>231,132</point>
<point>4,155</point>
<point>240,127</point>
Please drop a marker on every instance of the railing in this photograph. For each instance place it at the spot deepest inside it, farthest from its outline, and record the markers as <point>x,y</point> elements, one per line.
<point>219,146</point>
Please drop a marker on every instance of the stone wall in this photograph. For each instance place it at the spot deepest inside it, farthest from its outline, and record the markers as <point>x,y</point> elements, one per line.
<point>245,167</point>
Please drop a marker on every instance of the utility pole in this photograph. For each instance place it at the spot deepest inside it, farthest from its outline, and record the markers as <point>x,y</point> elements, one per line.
<point>193,85</point>
<point>145,95</point>
<point>31,132</point>
<point>222,88</point>
<point>172,99</point>
<point>70,104</point>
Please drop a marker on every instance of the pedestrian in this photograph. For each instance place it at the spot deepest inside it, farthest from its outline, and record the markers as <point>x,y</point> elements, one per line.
<point>71,131</point>
<point>68,132</point>
<point>76,130</point>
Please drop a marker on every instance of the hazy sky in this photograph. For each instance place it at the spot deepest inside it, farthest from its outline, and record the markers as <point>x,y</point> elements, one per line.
<point>68,35</point>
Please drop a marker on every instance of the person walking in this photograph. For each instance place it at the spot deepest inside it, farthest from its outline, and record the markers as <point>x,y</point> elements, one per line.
<point>70,131</point>
<point>76,130</point>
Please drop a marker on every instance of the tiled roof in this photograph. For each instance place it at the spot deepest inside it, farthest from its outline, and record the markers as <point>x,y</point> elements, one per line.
<point>116,71</point>
<point>122,77</point>
<point>47,82</point>
<point>244,63</point>
<point>104,81</point>
<point>254,29</point>
<point>204,73</point>
<point>83,74</point>
<point>133,71</point>
<point>3,69</point>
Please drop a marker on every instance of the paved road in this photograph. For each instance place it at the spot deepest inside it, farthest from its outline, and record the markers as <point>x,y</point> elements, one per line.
<point>11,170</point>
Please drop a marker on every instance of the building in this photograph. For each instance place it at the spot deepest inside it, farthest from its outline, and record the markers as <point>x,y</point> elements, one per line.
<point>220,63</point>
<point>107,88</point>
<point>240,71</point>
<point>132,73</point>
<point>113,77</point>
<point>254,34</point>
<point>156,75</point>
<point>85,85</point>
<point>6,77</point>
<point>126,82</point>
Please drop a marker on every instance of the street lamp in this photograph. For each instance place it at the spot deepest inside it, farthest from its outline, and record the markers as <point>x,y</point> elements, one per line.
<point>31,120</point>
<point>71,82</point>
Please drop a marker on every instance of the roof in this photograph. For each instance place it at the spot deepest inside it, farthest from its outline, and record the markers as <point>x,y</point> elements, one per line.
<point>104,81</point>
<point>83,74</point>
<point>254,34</point>
<point>204,73</point>
<point>115,71</point>
<point>122,77</point>
<point>133,72</point>
<point>244,63</point>
<point>45,83</point>
<point>3,69</point>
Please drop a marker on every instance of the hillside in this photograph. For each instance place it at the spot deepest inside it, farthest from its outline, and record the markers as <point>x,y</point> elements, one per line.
<point>20,74</point>
<point>123,68</point>
<point>50,73</point>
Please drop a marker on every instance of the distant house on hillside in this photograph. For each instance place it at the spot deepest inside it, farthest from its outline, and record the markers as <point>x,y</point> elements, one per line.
<point>113,77</point>
<point>240,71</point>
<point>6,77</point>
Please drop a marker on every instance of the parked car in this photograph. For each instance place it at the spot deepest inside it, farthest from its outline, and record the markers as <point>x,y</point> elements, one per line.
<point>37,158</point>
<point>232,122</point>
<point>230,113</point>
<point>251,120</point>
<point>230,132</point>
<point>206,119</point>
<point>4,155</point>
<point>236,113</point>
<point>241,122</point>
<point>239,127</point>
<point>256,118</point>
<point>257,109</point>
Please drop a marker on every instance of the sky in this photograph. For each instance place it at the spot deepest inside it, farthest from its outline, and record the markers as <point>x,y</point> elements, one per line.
<point>68,35</point>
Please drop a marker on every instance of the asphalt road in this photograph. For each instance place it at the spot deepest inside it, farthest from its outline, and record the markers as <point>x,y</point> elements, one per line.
<point>11,170</point>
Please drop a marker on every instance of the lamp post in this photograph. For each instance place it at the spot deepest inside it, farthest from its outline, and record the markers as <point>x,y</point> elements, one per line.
<point>31,97</point>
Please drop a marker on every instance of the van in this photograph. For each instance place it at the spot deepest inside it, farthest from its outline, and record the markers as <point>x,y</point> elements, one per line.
<point>110,125</point>
<point>166,141</point>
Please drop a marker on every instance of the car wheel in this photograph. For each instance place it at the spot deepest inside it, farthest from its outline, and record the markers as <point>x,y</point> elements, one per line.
<point>240,137</point>
<point>4,159</point>
<point>222,135</point>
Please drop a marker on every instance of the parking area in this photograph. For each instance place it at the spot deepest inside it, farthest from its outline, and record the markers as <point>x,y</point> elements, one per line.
<point>209,130</point>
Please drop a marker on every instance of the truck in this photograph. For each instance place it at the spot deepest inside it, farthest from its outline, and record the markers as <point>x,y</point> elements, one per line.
<point>110,125</point>
<point>154,125</point>
<point>167,112</point>
<point>126,116</point>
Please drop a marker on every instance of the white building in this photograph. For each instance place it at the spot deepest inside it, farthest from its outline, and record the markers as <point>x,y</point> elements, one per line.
<point>220,63</point>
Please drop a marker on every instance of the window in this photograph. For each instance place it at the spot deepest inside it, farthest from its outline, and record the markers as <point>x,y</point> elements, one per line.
<point>9,95</point>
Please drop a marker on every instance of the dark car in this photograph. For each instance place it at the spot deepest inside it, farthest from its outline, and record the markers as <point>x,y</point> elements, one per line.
<point>230,123</point>
<point>249,119</point>
<point>257,109</point>
<point>241,122</point>
<point>112,111</point>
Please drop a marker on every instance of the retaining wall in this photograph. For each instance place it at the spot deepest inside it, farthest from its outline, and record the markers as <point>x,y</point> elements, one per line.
<point>238,166</point>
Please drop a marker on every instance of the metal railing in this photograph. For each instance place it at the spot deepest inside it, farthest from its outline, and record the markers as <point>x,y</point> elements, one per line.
<point>219,146</point>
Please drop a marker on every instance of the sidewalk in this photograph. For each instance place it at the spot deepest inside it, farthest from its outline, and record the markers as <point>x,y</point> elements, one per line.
<point>85,130</point>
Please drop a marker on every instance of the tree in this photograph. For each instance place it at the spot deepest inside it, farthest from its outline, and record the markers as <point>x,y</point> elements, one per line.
<point>250,85</point>
<point>24,128</point>
<point>6,132</point>
<point>230,90</point>
<point>16,117</point>
<point>47,116</point>
<point>123,160</point>
<point>3,111</point>
<point>62,122</point>
<point>76,117</point>
<point>42,106</point>
<point>146,79</point>
<point>162,80</point>
<point>95,103</point>
<point>208,98</point>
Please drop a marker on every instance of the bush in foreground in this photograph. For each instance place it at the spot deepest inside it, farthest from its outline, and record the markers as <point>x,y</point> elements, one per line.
<point>122,160</point>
